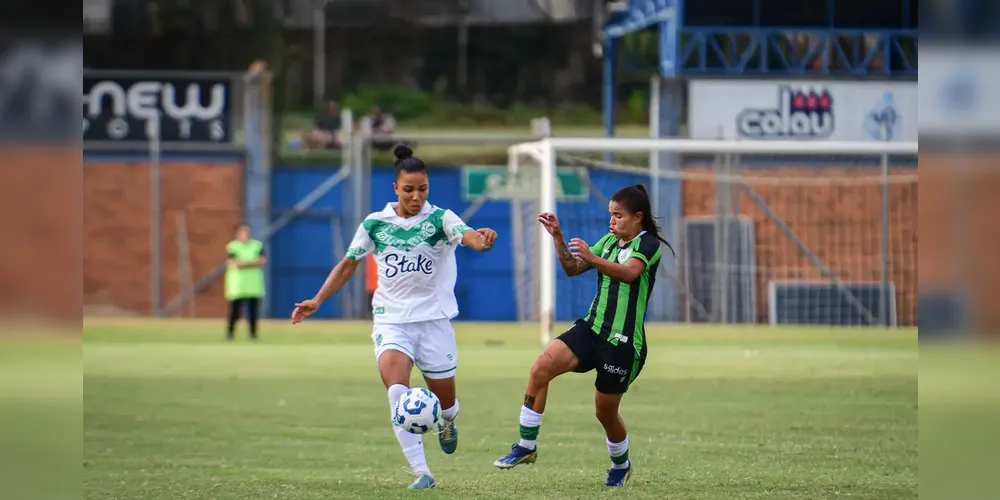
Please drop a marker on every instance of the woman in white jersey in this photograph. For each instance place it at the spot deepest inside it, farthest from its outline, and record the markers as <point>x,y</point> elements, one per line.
<point>414,245</point>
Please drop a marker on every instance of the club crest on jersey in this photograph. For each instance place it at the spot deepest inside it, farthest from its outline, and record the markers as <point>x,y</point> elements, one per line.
<point>427,229</point>
<point>624,255</point>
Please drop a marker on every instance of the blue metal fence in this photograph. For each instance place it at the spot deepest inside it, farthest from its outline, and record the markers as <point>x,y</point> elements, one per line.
<point>303,252</point>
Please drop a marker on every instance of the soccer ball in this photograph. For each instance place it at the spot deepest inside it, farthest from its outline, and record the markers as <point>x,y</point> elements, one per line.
<point>418,411</point>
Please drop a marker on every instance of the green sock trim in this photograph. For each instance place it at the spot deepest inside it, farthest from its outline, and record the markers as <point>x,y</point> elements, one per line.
<point>529,433</point>
<point>620,460</point>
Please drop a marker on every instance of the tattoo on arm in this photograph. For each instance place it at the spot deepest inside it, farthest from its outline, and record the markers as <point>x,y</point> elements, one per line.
<point>529,402</point>
<point>571,264</point>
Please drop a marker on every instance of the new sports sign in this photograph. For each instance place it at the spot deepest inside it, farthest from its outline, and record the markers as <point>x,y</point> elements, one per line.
<point>129,108</point>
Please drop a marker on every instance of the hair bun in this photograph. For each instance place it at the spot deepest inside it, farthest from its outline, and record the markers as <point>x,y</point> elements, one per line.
<point>641,187</point>
<point>402,152</point>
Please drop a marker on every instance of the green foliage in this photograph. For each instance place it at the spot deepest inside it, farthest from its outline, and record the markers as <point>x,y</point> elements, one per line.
<point>576,114</point>
<point>644,47</point>
<point>637,107</point>
<point>417,108</point>
<point>403,102</point>
<point>419,111</point>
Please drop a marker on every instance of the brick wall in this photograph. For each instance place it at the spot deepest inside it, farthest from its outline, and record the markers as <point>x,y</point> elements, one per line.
<point>39,271</point>
<point>959,212</point>
<point>840,221</point>
<point>117,231</point>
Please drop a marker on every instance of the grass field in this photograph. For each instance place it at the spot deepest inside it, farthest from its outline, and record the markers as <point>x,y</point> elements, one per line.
<point>171,411</point>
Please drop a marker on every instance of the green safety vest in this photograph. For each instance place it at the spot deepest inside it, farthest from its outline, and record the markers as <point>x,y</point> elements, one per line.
<point>248,282</point>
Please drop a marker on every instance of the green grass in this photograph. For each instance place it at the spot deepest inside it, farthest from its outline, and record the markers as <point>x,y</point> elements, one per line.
<point>171,411</point>
<point>40,425</point>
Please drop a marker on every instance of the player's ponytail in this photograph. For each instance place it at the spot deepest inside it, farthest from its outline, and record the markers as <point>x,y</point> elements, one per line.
<point>636,199</point>
<point>406,162</point>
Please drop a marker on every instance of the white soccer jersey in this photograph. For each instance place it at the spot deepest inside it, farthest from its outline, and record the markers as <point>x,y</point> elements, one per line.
<point>416,262</point>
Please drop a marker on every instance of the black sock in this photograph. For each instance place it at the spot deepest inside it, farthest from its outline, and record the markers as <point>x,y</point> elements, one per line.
<point>253,311</point>
<point>234,316</point>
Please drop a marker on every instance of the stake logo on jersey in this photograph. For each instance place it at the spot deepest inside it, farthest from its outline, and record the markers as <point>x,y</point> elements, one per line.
<point>416,262</point>
<point>397,264</point>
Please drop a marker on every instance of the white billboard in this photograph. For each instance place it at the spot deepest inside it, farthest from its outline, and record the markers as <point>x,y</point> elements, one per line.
<point>802,110</point>
<point>955,91</point>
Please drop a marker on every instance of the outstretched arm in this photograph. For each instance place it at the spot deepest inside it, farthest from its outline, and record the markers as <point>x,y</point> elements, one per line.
<point>571,264</point>
<point>648,251</point>
<point>459,233</point>
<point>339,277</point>
<point>480,240</point>
<point>360,247</point>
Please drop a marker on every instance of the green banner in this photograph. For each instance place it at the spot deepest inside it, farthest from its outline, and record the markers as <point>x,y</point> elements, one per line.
<point>495,183</point>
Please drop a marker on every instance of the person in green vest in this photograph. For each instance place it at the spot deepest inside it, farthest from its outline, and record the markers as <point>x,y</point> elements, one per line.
<point>244,279</point>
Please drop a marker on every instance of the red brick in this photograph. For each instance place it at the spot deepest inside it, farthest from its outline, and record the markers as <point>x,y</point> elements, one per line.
<point>118,230</point>
<point>839,221</point>
<point>959,210</point>
<point>39,274</point>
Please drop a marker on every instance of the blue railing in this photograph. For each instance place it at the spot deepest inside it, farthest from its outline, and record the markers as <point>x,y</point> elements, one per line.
<point>741,51</point>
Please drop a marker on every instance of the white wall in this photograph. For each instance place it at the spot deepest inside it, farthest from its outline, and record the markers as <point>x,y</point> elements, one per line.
<point>766,110</point>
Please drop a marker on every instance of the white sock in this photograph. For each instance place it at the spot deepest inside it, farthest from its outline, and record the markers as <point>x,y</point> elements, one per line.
<point>451,413</point>
<point>530,424</point>
<point>412,444</point>
<point>619,454</point>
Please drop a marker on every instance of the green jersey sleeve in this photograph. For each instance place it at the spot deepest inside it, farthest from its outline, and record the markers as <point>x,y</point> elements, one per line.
<point>601,245</point>
<point>648,249</point>
<point>361,245</point>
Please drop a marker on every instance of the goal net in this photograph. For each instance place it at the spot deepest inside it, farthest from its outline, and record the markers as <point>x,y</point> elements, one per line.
<point>779,233</point>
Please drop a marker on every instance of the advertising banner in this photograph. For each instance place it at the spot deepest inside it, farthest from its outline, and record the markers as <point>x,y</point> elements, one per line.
<point>802,110</point>
<point>957,99</point>
<point>495,183</point>
<point>126,107</point>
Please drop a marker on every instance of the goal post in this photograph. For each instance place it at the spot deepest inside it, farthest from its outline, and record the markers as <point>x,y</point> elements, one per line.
<point>538,153</point>
<point>750,191</point>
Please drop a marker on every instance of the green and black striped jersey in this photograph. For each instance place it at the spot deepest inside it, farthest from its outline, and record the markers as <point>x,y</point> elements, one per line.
<point>618,312</point>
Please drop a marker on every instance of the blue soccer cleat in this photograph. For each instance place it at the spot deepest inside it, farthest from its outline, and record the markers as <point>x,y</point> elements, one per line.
<point>424,482</point>
<point>448,437</point>
<point>518,455</point>
<point>618,477</point>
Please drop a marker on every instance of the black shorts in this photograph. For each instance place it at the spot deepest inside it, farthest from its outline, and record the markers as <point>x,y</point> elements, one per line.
<point>617,365</point>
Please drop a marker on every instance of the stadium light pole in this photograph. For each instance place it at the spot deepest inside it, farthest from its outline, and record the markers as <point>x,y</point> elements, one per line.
<point>883,307</point>
<point>153,135</point>
<point>654,132</point>
<point>319,51</point>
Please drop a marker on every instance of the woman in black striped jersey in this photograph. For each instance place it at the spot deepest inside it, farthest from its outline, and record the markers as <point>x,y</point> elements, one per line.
<point>611,337</point>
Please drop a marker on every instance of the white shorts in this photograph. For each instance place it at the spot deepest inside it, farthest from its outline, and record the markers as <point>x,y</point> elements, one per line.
<point>430,344</point>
